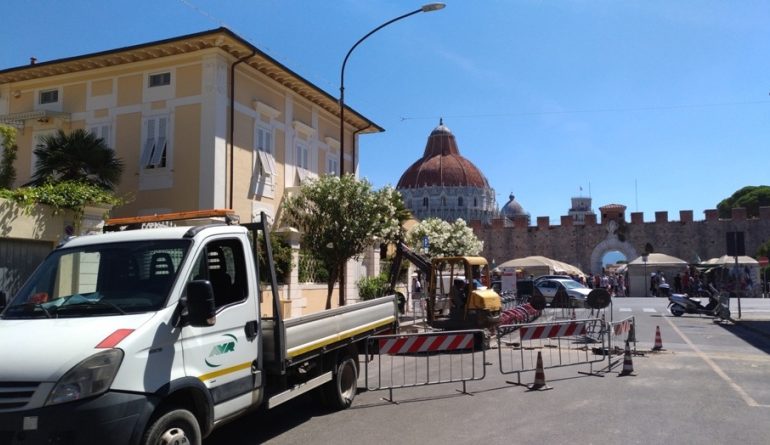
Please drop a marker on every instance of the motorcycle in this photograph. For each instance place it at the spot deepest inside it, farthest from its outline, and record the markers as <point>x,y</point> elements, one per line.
<point>718,305</point>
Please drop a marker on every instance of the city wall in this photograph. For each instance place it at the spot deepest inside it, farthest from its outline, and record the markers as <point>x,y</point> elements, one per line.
<point>585,245</point>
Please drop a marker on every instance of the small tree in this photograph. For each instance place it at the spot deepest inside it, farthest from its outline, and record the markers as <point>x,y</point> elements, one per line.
<point>339,218</point>
<point>8,148</point>
<point>445,239</point>
<point>78,156</point>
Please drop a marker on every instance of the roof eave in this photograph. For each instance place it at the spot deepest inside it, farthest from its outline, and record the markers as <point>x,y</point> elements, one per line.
<point>237,48</point>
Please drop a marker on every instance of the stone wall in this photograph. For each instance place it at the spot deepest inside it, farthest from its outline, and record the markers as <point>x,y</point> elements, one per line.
<point>585,245</point>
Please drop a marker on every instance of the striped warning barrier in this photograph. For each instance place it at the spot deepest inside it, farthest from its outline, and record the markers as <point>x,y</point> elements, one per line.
<point>411,344</point>
<point>622,327</point>
<point>540,332</point>
<point>556,344</point>
<point>524,313</point>
<point>431,358</point>
<point>620,332</point>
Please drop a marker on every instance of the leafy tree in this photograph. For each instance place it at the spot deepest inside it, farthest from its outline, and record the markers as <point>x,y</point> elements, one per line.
<point>281,257</point>
<point>339,218</point>
<point>9,149</point>
<point>373,287</point>
<point>445,239</point>
<point>764,249</point>
<point>750,197</point>
<point>78,156</point>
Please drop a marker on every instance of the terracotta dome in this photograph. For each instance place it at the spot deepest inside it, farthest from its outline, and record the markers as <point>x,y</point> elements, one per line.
<point>442,165</point>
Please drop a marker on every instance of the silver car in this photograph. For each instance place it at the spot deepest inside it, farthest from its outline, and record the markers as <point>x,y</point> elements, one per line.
<point>576,293</point>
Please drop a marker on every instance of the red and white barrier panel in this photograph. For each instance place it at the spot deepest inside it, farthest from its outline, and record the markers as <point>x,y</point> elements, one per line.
<point>550,331</point>
<point>623,327</point>
<point>426,343</point>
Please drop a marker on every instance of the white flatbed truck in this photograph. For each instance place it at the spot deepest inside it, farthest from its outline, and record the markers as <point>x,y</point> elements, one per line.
<point>156,336</point>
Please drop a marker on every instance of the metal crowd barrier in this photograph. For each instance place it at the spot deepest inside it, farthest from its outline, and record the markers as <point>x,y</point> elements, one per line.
<point>560,343</point>
<point>421,359</point>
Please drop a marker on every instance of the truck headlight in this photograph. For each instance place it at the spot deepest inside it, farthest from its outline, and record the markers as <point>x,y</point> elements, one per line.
<point>90,377</point>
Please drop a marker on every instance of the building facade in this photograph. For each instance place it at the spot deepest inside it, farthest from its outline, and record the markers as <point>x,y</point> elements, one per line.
<point>581,206</point>
<point>200,121</point>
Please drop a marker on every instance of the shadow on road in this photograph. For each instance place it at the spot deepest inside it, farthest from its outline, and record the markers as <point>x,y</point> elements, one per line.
<point>754,332</point>
<point>261,426</point>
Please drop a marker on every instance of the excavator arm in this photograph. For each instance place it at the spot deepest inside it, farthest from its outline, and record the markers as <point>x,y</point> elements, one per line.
<point>403,251</point>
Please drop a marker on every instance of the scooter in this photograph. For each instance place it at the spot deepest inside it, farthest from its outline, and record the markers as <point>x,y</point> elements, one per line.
<point>718,306</point>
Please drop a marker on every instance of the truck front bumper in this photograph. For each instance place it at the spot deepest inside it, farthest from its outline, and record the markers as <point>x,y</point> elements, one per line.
<point>112,418</point>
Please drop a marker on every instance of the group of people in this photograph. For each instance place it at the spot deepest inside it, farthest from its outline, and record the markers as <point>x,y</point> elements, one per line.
<point>691,279</point>
<point>615,284</point>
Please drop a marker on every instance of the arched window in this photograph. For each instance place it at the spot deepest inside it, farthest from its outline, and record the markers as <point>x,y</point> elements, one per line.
<point>425,201</point>
<point>460,201</point>
<point>475,202</point>
<point>443,201</point>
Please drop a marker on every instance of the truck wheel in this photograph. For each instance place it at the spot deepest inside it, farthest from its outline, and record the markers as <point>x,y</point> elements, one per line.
<point>340,392</point>
<point>173,427</point>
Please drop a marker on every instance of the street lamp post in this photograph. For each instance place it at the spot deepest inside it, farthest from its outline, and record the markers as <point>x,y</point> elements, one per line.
<point>425,8</point>
<point>644,260</point>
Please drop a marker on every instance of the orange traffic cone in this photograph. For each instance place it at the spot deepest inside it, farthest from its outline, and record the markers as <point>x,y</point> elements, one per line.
<point>539,384</point>
<point>658,342</point>
<point>628,364</point>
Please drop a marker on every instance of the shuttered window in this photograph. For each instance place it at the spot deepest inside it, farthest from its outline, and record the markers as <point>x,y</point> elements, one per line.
<point>103,131</point>
<point>264,170</point>
<point>155,148</point>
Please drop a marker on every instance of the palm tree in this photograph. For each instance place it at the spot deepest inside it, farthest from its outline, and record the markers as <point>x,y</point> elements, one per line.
<point>78,156</point>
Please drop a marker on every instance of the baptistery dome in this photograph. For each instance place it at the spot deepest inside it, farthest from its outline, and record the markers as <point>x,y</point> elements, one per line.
<point>442,165</point>
<point>444,184</point>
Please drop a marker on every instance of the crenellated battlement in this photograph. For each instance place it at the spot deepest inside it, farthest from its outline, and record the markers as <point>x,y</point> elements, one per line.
<point>637,218</point>
<point>583,244</point>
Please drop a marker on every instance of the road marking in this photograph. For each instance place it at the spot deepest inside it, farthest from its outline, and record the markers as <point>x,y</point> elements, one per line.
<point>741,392</point>
<point>625,309</point>
<point>649,309</point>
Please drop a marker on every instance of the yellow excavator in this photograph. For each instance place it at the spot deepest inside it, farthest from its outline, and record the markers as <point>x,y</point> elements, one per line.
<point>458,292</point>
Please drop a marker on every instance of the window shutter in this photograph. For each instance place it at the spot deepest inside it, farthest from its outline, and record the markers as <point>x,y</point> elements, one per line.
<point>106,135</point>
<point>260,139</point>
<point>160,147</point>
<point>149,144</point>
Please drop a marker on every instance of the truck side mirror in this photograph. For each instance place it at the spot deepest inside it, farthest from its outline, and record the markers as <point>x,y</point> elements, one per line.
<point>3,300</point>
<point>201,310</point>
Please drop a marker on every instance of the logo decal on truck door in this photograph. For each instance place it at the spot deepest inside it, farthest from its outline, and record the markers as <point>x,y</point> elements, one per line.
<point>221,349</point>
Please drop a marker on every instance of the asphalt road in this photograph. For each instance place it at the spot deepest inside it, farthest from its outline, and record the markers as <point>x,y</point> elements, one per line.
<point>709,385</point>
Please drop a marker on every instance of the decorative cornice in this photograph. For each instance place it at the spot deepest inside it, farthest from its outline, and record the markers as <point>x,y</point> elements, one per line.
<point>220,38</point>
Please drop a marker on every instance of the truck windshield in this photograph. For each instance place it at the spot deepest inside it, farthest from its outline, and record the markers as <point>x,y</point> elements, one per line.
<point>99,280</point>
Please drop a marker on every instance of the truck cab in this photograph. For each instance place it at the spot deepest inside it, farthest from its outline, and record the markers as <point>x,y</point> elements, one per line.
<point>154,335</point>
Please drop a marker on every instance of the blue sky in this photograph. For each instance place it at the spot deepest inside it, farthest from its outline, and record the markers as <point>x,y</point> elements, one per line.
<point>655,104</point>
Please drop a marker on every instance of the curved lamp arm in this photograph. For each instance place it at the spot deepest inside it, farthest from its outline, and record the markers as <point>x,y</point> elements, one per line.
<point>425,8</point>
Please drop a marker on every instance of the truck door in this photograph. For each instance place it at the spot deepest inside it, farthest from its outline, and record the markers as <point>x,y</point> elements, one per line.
<point>221,356</point>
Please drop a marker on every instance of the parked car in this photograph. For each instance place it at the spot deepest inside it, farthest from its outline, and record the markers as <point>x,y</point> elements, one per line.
<point>575,292</point>
<point>552,277</point>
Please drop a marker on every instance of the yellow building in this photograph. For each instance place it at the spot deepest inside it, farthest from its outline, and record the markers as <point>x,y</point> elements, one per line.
<point>200,121</point>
